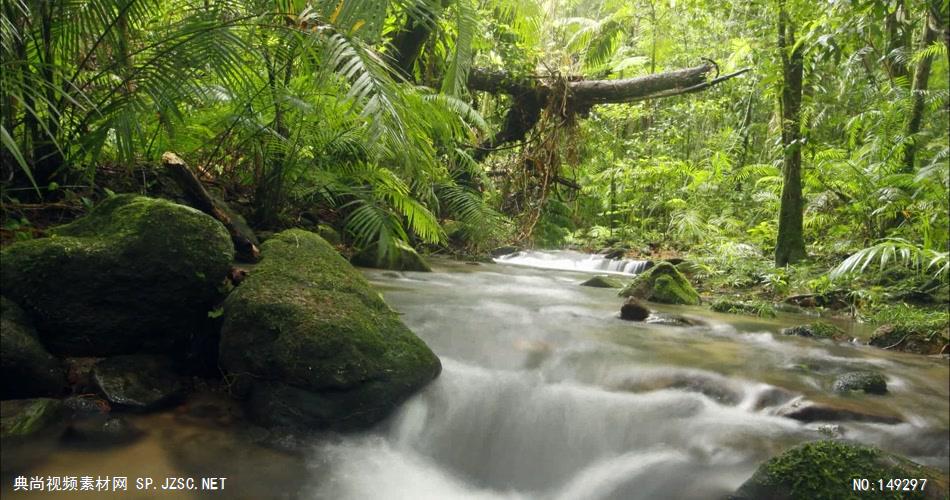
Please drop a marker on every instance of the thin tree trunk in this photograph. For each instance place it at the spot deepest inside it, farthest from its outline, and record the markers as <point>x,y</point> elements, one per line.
<point>921,77</point>
<point>790,246</point>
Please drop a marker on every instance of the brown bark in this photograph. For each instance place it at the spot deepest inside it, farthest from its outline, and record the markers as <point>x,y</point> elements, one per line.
<point>531,94</point>
<point>790,245</point>
<point>199,198</point>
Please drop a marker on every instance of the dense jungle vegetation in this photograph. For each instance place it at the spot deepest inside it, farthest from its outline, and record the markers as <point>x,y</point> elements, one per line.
<point>782,146</point>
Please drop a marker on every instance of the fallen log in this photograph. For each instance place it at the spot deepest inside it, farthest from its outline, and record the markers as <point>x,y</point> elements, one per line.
<point>245,242</point>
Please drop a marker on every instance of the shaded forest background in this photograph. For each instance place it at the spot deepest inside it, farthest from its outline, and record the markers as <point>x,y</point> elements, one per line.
<point>785,146</point>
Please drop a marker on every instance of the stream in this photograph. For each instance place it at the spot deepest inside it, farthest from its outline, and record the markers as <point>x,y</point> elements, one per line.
<point>546,394</point>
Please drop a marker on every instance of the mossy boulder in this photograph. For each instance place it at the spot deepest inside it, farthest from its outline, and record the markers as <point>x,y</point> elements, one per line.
<point>26,368</point>
<point>869,382</point>
<point>603,282</point>
<point>310,345</point>
<point>401,258</point>
<point>817,329</point>
<point>25,417</point>
<point>824,470</point>
<point>918,338</point>
<point>755,308</point>
<point>138,382</point>
<point>662,283</point>
<point>135,274</point>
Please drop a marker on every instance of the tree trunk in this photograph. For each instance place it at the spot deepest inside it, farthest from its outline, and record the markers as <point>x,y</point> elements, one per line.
<point>531,94</point>
<point>790,246</point>
<point>245,242</point>
<point>921,77</point>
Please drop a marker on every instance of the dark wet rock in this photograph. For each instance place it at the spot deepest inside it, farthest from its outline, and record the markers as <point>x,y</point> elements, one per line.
<point>501,251</point>
<point>101,431</point>
<point>672,320</point>
<point>633,310</point>
<point>26,368</point>
<point>136,274</point>
<point>818,329</point>
<point>401,258</point>
<point>26,417</point>
<point>754,308</point>
<point>869,382</point>
<point>140,382</point>
<point>834,299</point>
<point>662,283</point>
<point>712,387</point>
<point>613,253</point>
<point>823,470</point>
<point>910,338</point>
<point>808,411</point>
<point>79,374</point>
<point>310,345</point>
<point>603,282</point>
<point>86,405</point>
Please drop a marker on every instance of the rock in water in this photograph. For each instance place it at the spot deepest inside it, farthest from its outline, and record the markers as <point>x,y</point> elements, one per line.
<point>633,310</point>
<point>824,470</point>
<point>24,417</point>
<point>135,274</point>
<point>662,283</point>
<point>818,329</point>
<point>603,282</point>
<point>405,258</point>
<point>869,382</point>
<point>310,345</point>
<point>139,382</point>
<point>26,369</point>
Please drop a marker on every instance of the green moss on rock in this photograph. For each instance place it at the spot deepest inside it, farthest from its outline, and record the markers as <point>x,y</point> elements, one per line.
<point>817,329</point>
<point>603,282</point>
<point>755,308</point>
<point>869,382</point>
<point>662,283</point>
<point>823,470</point>
<point>312,345</point>
<point>25,417</point>
<point>135,274</point>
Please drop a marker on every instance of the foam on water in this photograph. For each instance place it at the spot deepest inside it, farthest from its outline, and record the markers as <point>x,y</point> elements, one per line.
<point>567,260</point>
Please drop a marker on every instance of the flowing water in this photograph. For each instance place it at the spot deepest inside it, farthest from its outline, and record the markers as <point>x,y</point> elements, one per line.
<point>546,394</point>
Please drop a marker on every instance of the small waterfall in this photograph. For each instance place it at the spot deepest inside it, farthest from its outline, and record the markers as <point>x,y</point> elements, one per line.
<point>567,260</point>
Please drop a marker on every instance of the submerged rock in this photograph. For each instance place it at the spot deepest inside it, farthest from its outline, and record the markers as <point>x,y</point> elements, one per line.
<point>500,251</point>
<point>869,382</point>
<point>633,310</point>
<point>25,417</point>
<point>403,258</point>
<point>603,282</point>
<point>662,283</point>
<point>310,345</point>
<point>139,382</point>
<point>672,320</point>
<point>26,369</point>
<point>837,411</point>
<point>135,274</point>
<point>818,329</point>
<point>824,470</point>
<point>101,431</point>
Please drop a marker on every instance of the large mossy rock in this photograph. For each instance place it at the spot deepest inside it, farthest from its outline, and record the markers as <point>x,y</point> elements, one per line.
<point>25,417</point>
<point>26,369</point>
<point>825,469</point>
<point>310,345</point>
<point>136,274</point>
<point>402,258</point>
<point>662,283</point>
